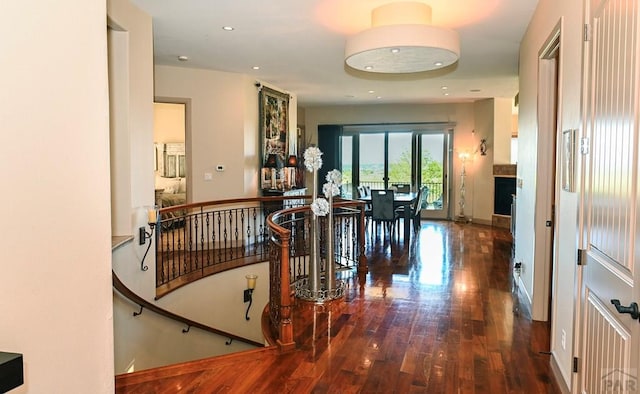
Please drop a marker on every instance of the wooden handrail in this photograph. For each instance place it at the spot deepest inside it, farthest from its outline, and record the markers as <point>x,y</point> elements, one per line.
<point>128,293</point>
<point>231,201</point>
<point>201,239</point>
<point>202,244</point>
<point>280,264</point>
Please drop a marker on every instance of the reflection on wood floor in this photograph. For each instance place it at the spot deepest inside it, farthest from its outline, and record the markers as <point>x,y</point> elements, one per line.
<point>437,316</point>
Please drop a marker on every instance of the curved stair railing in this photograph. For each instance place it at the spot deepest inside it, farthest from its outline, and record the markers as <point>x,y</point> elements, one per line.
<point>144,304</point>
<point>289,242</point>
<point>197,240</point>
<point>201,239</point>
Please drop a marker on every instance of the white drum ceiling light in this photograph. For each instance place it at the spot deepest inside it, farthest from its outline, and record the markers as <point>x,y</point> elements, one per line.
<point>402,40</point>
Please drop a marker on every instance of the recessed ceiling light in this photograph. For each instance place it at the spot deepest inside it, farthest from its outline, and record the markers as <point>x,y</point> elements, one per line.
<point>256,67</point>
<point>444,88</point>
<point>368,68</point>
<point>446,94</point>
<point>227,28</point>
<point>371,91</point>
<point>438,64</point>
<point>183,58</point>
<point>379,97</point>
<point>395,50</point>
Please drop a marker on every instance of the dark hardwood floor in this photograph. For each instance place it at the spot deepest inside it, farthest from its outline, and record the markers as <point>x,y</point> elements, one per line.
<point>438,316</point>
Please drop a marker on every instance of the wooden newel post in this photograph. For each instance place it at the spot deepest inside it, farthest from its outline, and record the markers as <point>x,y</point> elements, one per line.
<point>285,340</point>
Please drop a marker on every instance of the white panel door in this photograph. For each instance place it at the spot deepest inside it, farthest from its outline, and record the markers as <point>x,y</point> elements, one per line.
<point>610,338</point>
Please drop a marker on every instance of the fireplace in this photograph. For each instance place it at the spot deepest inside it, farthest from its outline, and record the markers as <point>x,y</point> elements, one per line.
<point>504,176</point>
<point>503,189</point>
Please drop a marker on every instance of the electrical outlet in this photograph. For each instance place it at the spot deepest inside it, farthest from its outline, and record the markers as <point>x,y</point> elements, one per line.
<point>563,340</point>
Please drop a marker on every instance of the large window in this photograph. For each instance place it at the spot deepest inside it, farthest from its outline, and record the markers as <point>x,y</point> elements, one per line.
<point>387,159</point>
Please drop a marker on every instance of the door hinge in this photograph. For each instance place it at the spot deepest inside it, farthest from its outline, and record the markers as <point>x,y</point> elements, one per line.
<point>584,145</point>
<point>575,364</point>
<point>587,32</point>
<point>582,257</point>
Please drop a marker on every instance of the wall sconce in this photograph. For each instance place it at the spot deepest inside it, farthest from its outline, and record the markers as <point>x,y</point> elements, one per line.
<point>248,293</point>
<point>144,235</point>
<point>483,147</point>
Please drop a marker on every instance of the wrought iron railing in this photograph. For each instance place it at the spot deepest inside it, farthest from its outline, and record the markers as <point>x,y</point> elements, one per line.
<point>197,240</point>
<point>289,256</point>
<point>433,199</point>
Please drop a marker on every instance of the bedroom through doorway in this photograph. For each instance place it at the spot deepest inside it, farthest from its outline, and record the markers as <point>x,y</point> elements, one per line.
<point>170,155</point>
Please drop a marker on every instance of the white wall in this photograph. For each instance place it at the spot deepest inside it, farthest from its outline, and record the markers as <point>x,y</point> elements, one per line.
<point>56,289</point>
<point>135,79</point>
<point>168,122</point>
<point>500,146</point>
<point>482,166</point>
<point>218,301</point>
<point>548,15</point>
<point>224,128</point>
<point>150,340</point>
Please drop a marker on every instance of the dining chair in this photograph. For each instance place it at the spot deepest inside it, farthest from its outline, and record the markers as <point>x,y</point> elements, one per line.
<point>362,192</point>
<point>415,208</point>
<point>382,210</point>
<point>402,187</point>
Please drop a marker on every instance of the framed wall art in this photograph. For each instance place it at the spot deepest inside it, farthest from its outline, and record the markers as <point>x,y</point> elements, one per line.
<point>274,124</point>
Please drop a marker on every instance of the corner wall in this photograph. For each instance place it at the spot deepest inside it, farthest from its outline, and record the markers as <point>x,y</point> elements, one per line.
<point>548,15</point>
<point>56,289</point>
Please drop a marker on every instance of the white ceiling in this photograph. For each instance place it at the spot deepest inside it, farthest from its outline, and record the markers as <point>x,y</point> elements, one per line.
<point>299,46</point>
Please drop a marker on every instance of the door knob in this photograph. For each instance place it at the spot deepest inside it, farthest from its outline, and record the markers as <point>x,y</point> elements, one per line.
<point>631,309</point>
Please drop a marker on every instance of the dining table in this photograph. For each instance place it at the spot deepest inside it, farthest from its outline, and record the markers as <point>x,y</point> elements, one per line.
<point>405,200</point>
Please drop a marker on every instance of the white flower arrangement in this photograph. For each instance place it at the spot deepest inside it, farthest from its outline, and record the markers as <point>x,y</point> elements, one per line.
<point>335,177</point>
<point>320,207</point>
<point>313,162</point>
<point>312,158</point>
<point>330,189</point>
<point>334,181</point>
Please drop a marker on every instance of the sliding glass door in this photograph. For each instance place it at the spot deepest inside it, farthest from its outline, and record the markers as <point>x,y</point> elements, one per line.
<point>433,169</point>
<point>384,159</point>
<point>372,156</point>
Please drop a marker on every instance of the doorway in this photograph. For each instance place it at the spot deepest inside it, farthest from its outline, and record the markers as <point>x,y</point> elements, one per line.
<point>548,129</point>
<point>432,172</point>
<point>171,152</point>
